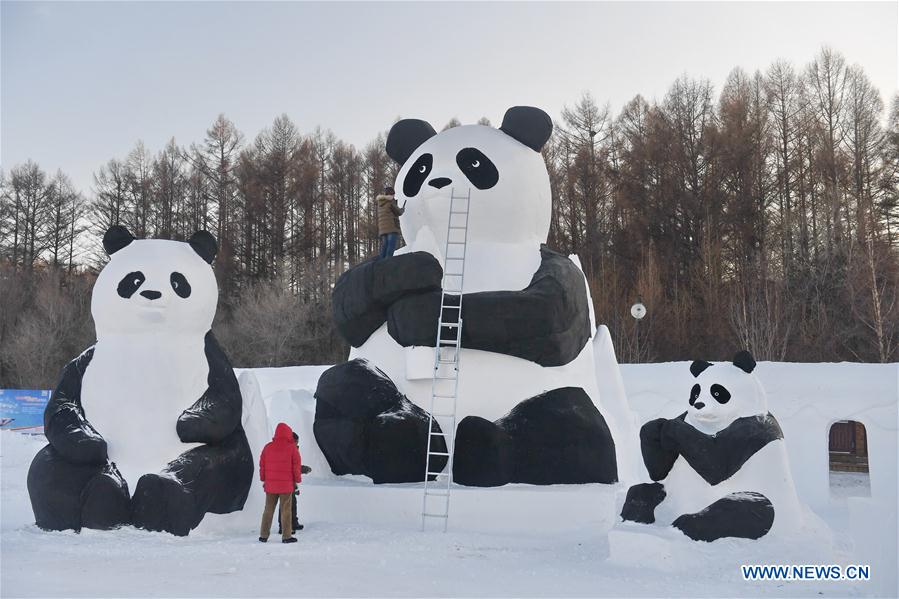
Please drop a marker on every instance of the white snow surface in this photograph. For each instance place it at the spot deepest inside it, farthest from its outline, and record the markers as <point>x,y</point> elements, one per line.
<point>357,555</point>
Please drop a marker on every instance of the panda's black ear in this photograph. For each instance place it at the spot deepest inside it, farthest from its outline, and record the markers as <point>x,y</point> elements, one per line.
<point>698,366</point>
<point>205,245</point>
<point>406,136</point>
<point>115,238</point>
<point>531,126</point>
<point>744,361</point>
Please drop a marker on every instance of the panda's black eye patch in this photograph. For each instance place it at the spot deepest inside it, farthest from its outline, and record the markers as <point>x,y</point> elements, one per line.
<point>694,393</point>
<point>130,283</point>
<point>180,284</point>
<point>479,169</point>
<point>720,394</point>
<point>417,175</point>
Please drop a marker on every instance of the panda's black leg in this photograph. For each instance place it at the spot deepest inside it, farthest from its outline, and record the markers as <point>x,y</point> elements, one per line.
<point>105,502</point>
<point>210,478</point>
<point>61,490</point>
<point>558,437</point>
<point>364,425</point>
<point>484,455</point>
<point>744,515</point>
<point>642,501</point>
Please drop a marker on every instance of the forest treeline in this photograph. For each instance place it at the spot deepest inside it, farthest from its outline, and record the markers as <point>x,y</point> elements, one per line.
<point>761,216</point>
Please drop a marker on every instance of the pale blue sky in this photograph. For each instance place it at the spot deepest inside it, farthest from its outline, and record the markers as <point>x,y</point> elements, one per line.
<point>82,82</point>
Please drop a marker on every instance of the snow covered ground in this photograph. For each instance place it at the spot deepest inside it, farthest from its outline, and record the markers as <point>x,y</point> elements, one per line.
<point>344,557</point>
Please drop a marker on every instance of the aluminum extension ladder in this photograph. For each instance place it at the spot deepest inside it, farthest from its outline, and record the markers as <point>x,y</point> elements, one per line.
<point>445,379</point>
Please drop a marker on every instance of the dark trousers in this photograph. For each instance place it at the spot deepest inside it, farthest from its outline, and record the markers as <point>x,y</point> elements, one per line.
<point>293,511</point>
<point>388,244</point>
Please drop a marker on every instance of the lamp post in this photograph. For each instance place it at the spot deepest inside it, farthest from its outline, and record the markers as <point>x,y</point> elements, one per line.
<point>638,311</point>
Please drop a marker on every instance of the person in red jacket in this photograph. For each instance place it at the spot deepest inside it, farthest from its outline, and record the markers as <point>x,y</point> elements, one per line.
<point>280,470</point>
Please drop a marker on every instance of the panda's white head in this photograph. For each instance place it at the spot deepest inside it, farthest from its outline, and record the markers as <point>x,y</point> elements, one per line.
<point>503,168</point>
<point>724,392</point>
<point>155,286</point>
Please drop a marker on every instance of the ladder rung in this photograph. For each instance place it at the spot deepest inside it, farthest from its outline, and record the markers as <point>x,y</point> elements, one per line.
<point>456,227</point>
<point>443,453</point>
<point>437,434</point>
<point>427,515</point>
<point>437,494</point>
<point>447,306</point>
<point>435,396</point>
<point>456,242</point>
<point>459,212</point>
<point>438,473</point>
<point>443,415</point>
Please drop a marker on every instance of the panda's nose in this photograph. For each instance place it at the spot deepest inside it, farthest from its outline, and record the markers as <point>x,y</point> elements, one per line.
<point>699,405</point>
<point>151,295</point>
<point>440,182</point>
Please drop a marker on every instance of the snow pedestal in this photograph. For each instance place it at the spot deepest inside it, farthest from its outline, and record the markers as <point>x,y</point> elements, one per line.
<point>325,497</point>
<point>507,509</point>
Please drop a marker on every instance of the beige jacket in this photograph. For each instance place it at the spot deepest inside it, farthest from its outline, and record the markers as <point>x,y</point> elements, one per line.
<point>388,215</point>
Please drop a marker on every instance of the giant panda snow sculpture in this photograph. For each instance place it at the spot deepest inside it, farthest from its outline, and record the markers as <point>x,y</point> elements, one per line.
<point>527,399</point>
<point>153,407</point>
<point>720,468</point>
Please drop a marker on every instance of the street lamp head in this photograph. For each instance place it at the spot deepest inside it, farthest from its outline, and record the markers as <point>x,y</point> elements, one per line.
<point>638,311</point>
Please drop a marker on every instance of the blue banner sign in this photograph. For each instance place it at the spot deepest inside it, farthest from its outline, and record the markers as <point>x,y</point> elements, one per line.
<point>22,410</point>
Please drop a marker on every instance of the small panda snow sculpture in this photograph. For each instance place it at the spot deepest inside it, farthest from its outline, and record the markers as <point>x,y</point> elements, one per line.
<point>153,407</point>
<point>527,399</point>
<point>721,467</point>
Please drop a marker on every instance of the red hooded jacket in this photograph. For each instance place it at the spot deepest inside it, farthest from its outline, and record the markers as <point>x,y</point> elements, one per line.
<point>279,464</point>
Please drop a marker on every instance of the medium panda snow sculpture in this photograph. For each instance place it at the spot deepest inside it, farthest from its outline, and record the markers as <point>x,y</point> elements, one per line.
<point>153,407</point>
<point>720,467</point>
<point>527,398</point>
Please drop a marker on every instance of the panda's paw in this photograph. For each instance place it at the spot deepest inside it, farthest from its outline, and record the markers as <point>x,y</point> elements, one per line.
<point>484,454</point>
<point>162,503</point>
<point>105,502</point>
<point>641,502</point>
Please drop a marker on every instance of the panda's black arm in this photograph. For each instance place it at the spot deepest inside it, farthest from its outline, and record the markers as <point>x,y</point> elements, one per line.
<point>718,457</point>
<point>218,411</point>
<point>65,425</point>
<point>363,293</point>
<point>658,459</point>
<point>700,450</point>
<point>547,322</point>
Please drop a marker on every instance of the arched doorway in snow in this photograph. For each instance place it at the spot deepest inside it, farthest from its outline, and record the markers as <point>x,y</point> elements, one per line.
<point>848,457</point>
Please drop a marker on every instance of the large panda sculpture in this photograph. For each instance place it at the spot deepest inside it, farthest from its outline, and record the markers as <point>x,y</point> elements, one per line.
<point>153,407</point>
<point>527,401</point>
<point>720,468</point>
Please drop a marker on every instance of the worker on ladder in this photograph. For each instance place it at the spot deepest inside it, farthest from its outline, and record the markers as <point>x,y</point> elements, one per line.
<point>388,221</point>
